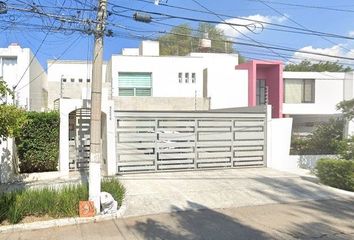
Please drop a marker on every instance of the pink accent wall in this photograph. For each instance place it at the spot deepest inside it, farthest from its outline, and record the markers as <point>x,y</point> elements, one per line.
<point>272,73</point>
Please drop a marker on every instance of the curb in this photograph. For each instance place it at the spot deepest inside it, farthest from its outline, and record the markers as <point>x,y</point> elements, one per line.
<point>62,222</point>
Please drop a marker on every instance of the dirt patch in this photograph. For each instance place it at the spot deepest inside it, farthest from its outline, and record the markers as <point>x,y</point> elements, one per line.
<point>29,219</point>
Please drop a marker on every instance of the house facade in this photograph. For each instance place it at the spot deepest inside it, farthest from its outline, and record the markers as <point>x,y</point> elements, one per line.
<point>20,68</point>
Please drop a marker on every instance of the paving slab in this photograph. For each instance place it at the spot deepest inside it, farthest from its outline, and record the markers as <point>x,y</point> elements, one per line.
<point>156,193</point>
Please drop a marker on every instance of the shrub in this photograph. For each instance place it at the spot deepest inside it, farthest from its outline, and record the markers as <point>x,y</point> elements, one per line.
<point>38,142</point>
<point>336,173</point>
<point>56,203</point>
<point>323,139</point>
<point>345,148</point>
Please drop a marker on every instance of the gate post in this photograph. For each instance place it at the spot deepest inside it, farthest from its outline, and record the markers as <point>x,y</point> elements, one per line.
<point>267,133</point>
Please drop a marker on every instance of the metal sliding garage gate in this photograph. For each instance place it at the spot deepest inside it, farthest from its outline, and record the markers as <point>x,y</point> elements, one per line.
<point>162,141</point>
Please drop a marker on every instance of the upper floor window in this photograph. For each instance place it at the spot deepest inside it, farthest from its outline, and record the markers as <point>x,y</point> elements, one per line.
<point>134,84</point>
<point>193,77</point>
<point>180,76</point>
<point>72,79</point>
<point>88,80</point>
<point>63,79</point>
<point>186,76</point>
<point>80,80</point>
<point>299,90</point>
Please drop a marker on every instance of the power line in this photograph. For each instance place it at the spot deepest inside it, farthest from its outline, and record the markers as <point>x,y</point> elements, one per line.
<point>51,64</point>
<point>34,56</point>
<point>309,6</point>
<point>282,26</point>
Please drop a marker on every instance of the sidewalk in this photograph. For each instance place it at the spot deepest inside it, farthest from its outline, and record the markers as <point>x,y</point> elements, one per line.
<point>325,219</point>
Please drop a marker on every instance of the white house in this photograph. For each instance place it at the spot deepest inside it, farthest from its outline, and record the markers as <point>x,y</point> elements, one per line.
<point>140,79</point>
<point>311,97</point>
<point>18,66</point>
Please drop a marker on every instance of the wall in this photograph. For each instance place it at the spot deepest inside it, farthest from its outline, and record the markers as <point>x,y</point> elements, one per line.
<point>278,142</point>
<point>69,69</point>
<point>6,166</point>
<point>305,161</point>
<point>164,71</point>
<point>13,75</point>
<point>329,90</point>
<point>160,103</point>
<point>38,86</point>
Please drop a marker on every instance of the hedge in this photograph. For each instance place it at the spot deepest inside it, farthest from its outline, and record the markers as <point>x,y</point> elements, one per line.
<point>38,142</point>
<point>336,173</point>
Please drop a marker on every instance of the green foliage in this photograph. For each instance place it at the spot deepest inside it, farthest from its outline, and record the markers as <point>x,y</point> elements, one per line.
<point>11,121</point>
<point>336,173</point>
<point>182,41</point>
<point>345,148</point>
<point>56,203</point>
<point>38,142</point>
<point>307,66</point>
<point>347,108</point>
<point>114,187</point>
<point>323,140</point>
<point>4,90</point>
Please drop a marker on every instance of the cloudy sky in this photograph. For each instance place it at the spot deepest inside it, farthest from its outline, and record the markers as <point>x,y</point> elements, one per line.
<point>283,24</point>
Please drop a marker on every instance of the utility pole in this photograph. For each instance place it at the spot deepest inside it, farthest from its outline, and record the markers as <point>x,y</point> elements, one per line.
<point>96,92</point>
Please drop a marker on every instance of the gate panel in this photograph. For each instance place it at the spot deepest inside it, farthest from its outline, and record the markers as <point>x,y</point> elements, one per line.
<point>162,141</point>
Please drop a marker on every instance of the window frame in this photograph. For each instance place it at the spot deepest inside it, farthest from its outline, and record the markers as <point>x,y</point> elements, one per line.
<point>303,82</point>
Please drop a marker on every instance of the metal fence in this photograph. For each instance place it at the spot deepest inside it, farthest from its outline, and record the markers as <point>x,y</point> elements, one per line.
<point>162,141</point>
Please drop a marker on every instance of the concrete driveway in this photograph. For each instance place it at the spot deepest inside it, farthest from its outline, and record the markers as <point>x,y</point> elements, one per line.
<point>217,189</point>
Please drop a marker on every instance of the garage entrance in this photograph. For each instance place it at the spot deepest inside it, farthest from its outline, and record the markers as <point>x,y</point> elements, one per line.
<point>170,141</point>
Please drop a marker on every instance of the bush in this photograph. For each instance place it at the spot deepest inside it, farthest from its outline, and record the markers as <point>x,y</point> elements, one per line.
<point>336,173</point>
<point>14,206</point>
<point>38,142</point>
<point>323,140</point>
<point>345,148</point>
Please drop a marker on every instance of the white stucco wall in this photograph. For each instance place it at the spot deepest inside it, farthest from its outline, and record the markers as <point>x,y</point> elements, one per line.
<point>329,90</point>
<point>70,69</point>
<point>25,97</point>
<point>164,70</point>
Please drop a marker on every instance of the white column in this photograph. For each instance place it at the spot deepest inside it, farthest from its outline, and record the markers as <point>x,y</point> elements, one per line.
<point>64,138</point>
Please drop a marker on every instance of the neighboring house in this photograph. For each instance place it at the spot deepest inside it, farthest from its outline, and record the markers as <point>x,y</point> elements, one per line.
<point>19,66</point>
<point>311,97</point>
<point>307,97</point>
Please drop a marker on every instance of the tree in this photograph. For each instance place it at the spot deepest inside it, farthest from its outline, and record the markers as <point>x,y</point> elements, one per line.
<point>11,117</point>
<point>181,40</point>
<point>307,66</point>
<point>347,108</point>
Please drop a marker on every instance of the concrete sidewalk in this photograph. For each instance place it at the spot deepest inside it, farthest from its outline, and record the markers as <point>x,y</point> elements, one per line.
<point>216,189</point>
<point>324,219</point>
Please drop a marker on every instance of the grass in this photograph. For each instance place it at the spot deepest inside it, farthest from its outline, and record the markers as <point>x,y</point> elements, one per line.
<point>56,203</point>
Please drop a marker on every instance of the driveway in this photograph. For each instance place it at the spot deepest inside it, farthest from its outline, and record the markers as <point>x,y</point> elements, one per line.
<point>217,189</point>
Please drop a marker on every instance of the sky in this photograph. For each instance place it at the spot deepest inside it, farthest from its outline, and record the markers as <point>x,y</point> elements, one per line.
<point>330,16</point>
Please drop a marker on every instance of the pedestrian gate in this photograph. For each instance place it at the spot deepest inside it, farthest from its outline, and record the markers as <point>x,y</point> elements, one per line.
<point>161,141</point>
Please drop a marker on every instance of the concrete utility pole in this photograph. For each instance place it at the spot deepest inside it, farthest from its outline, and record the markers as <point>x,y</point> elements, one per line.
<point>96,92</point>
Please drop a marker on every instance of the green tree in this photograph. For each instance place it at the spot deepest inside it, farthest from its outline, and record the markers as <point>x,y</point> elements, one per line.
<point>308,66</point>
<point>182,40</point>
<point>11,117</point>
<point>347,108</point>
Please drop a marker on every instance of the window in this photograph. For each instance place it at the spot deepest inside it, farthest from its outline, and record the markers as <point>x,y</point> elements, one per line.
<point>193,77</point>
<point>134,84</point>
<point>186,76</point>
<point>299,90</point>
<point>88,80</point>
<point>180,75</point>
<point>261,92</point>
<point>72,79</point>
<point>80,80</point>
<point>63,79</point>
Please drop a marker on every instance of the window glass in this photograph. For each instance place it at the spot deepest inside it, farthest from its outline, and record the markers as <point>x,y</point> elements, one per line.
<point>186,76</point>
<point>126,91</point>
